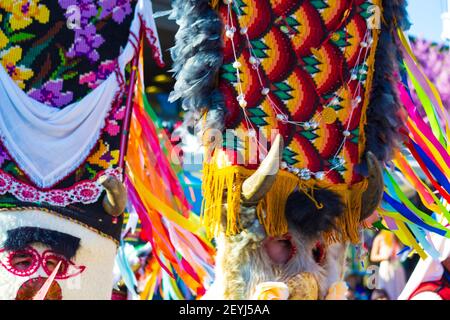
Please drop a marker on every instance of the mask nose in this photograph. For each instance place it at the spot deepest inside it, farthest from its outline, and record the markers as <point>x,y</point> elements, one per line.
<point>280,249</point>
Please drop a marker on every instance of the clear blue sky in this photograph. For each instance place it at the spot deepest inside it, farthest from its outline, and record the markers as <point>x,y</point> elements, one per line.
<point>425,16</point>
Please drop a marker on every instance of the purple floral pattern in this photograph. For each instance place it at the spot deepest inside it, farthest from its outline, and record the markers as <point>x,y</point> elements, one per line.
<point>59,63</point>
<point>87,8</point>
<point>86,42</point>
<point>51,94</point>
<point>118,8</point>
<point>4,156</point>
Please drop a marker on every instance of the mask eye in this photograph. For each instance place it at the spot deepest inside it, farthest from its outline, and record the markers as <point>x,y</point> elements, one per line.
<point>52,261</point>
<point>22,263</point>
<point>319,253</point>
<point>67,269</point>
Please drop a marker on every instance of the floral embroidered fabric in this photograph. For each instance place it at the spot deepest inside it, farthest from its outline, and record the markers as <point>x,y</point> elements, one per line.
<point>57,62</point>
<point>58,65</point>
<point>58,51</point>
<point>84,192</point>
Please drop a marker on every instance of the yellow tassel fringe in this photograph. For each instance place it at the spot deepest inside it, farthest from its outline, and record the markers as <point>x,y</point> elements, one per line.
<point>227,182</point>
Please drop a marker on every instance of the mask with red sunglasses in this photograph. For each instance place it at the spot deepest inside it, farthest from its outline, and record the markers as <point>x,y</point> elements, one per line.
<point>28,261</point>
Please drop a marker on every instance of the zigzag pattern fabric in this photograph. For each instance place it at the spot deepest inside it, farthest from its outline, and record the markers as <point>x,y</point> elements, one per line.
<point>305,69</point>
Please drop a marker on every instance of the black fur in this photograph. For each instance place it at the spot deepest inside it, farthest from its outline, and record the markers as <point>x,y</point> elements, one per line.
<point>303,215</point>
<point>383,122</point>
<point>61,243</point>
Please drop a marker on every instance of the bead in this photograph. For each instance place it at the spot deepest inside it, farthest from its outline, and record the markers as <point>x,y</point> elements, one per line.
<point>244,30</point>
<point>314,125</point>
<point>242,101</point>
<point>229,34</point>
<point>346,133</point>
<point>305,174</point>
<point>227,1</point>
<point>254,61</point>
<point>354,76</point>
<point>265,91</point>
<point>307,125</point>
<point>236,64</point>
<point>338,161</point>
<point>320,175</point>
<point>252,133</point>
<point>364,44</point>
<point>283,165</point>
<point>282,117</point>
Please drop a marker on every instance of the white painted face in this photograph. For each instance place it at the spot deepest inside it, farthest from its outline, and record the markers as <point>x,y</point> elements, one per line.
<point>88,276</point>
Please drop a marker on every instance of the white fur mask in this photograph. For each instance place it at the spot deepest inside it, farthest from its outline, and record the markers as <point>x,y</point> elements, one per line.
<point>88,276</point>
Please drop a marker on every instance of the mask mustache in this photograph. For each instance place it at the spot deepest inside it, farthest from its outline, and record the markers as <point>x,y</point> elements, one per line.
<point>30,288</point>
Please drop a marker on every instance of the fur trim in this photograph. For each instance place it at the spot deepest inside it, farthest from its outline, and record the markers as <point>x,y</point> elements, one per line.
<point>61,243</point>
<point>383,119</point>
<point>303,214</point>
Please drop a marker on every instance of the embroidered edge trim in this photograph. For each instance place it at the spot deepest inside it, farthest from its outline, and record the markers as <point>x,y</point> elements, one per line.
<point>63,217</point>
<point>153,41</point>
<point>57,197</point>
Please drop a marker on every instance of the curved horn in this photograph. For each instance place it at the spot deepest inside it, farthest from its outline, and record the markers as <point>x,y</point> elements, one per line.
<point>371,198</point>
<point>115,199</point>
<point>259,183</point>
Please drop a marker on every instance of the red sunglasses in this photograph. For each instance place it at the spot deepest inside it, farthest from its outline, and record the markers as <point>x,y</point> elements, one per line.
<point>26,262</point>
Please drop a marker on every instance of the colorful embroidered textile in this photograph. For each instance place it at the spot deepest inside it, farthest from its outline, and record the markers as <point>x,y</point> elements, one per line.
<point>65,62</point>
<point>58,51</point>
<point>65,136</point>
<point>304,69</point>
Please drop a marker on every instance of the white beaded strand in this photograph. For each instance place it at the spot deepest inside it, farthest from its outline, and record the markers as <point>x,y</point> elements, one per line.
<point>356,99</point>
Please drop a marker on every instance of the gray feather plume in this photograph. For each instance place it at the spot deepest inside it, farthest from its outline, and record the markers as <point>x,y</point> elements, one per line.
<point>197,58</point>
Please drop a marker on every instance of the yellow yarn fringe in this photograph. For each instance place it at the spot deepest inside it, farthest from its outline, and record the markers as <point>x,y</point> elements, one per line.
<point>227,182</point>
<point>348,224</point>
